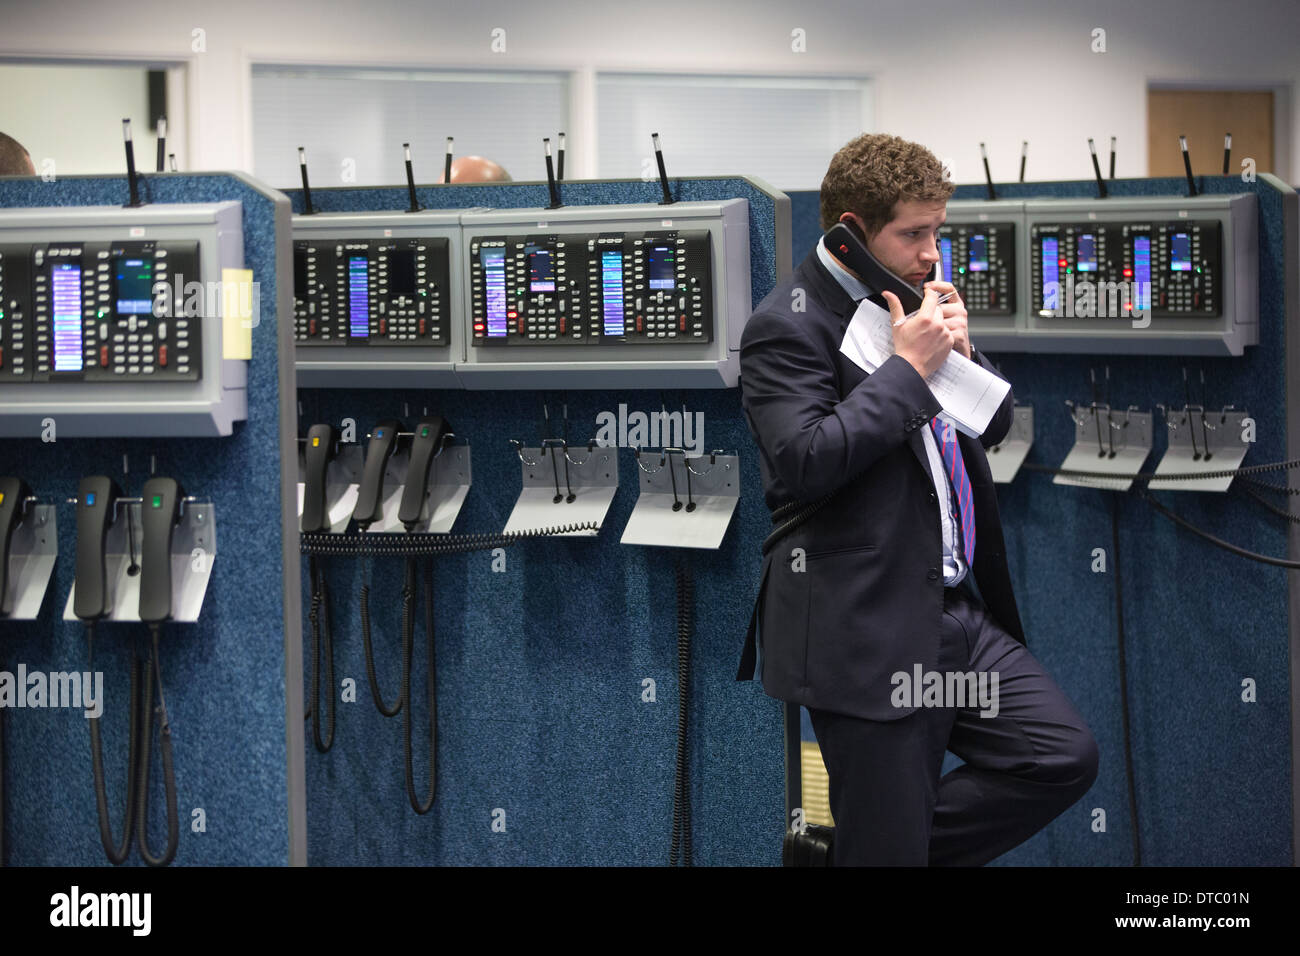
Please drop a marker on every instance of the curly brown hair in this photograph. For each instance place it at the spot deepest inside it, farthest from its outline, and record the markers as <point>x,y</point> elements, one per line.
<point>873,172</point>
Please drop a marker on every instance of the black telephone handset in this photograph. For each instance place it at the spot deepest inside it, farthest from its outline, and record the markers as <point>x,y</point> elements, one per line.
<point>845,243</point>
<point>370,503</point>
<point>429,434</point>
<point>13,492</point>
<point>161,512</point>
<point>321,443</point>
<point>96,503</point>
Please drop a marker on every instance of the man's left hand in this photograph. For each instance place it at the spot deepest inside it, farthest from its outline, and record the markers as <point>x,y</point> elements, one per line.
<point>954,316</point>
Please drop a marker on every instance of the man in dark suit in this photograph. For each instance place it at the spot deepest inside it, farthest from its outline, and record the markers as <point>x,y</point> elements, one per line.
<point>878,587</point>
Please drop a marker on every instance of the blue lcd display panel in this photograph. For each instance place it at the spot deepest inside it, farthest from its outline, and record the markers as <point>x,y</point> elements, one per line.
<point>358,297</point>
<point>1051,273</point>
<point>541,273</point>
<point>1086,253</point>
<point>611,287</point>
<point>660,267</point>
<point>1142,271</point>
<point>979,253</point>
<point>494,281</point>
<point>945,253</point>
<point>133,284</point>
<point>67,316</point>
<point>1180,257</point>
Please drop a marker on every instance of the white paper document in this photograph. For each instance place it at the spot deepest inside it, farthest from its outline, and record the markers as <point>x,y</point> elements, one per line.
<point>968,392</point>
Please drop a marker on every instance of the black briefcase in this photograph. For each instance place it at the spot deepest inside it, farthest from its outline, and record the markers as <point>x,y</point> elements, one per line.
<point>810,848</point>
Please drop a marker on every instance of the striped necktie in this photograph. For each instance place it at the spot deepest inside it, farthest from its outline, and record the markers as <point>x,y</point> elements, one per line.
<point>960,485</point>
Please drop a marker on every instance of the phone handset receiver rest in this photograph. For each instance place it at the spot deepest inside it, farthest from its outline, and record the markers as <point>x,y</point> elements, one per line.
<point>161,512</point>
<point>846,245</point>
<point>370,496</point>
<point>321,443</point>
<point>13,492</point>
<point>429,434</point>
<point>96,504</point>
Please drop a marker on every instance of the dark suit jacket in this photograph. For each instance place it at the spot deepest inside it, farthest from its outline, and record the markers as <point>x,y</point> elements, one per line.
<point>866,599</point>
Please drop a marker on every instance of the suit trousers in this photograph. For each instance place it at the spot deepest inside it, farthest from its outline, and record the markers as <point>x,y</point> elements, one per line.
<point>1023,767</point>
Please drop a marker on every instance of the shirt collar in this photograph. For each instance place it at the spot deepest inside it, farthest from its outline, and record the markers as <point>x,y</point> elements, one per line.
<point>855,288</point>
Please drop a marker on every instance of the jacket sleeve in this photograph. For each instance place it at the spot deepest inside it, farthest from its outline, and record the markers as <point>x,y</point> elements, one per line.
<point>816,441</point>
<point>1000,423</point>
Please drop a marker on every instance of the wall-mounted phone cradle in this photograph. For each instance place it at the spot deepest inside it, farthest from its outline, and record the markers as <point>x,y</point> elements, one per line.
<point>1138,276</point>
<point>378,299</point>
<point>684,502</point>
<point>450,477</point>
<point>447,488</point>
<point>564,484</point>
<point>112,321</point>
<point>1201,440</point>
<point>342,481</point>
<point>193,552</point>
<point>1006,457</point>
<point>1106,440</point>
<point>626,296</point>
<point>33,548</point>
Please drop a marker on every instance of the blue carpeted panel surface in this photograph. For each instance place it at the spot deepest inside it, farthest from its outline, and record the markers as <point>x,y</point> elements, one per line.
<point>1213,773</point>
<point>541,667</point>
<point>223,676</point>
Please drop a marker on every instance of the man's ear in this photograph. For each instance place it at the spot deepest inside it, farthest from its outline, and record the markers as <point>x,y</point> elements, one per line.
<point>855,224</point>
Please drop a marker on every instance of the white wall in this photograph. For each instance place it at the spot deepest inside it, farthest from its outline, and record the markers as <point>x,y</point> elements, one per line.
<point>34,110</point>
<point>948,75</point>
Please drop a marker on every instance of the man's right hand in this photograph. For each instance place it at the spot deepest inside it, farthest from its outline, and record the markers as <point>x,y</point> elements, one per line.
<point>924,339</point>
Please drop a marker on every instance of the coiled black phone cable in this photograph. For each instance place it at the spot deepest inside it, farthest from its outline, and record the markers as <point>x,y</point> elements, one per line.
<point>320,614</point>
<point>169,773</point>
<point>116,854</point>
<point>368,646</point>
<point>431,681</point>
<point>681,839</point>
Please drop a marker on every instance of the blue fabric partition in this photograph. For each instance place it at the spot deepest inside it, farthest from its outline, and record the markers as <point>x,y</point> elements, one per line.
<point>541,667</point>
<point>224,676</point>
<point>1213,773</point>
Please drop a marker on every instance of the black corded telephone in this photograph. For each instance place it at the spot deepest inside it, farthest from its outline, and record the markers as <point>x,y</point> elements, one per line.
<point>846,244</point>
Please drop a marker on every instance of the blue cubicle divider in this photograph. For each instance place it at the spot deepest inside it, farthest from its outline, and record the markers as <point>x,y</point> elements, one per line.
<point>224,676</point>
<point>542,722</point>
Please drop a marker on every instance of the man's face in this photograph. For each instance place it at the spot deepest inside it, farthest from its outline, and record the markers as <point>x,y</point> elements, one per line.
<point>908,244</point>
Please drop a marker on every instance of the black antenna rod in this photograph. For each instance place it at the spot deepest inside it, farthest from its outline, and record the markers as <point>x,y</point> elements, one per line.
<point>131,182</point>
<point>171,160</point>
<point>1112,158</point>
<point>306,186</point>
<point>162,142</point>
<point>1024,154</point>
<point>1096,168</point>
<point>663,172</point>
<point>410,179</point>
<point>1227,151</point>
<point>446,169</point>
<point>988,176</point>
<point>559,162</point>
<point>1187,165</point>
<point>550,176</point>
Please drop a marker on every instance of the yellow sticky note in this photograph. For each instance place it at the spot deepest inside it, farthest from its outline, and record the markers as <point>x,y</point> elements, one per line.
<point>240,307</point>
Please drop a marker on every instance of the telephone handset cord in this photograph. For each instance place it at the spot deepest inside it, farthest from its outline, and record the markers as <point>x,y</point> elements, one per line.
<point>431,680</point>
<point>352,545</point>
<point>169,773</point>
<point>320,607</point>
<point>116,854</point>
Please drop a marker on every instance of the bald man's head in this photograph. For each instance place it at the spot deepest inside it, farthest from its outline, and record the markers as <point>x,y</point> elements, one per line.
<point>14,160</point>
<point>476,169</point>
